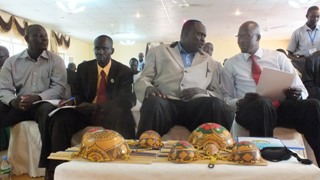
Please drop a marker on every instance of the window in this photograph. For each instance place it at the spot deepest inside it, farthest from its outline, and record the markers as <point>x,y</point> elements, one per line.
<point>14,45</point>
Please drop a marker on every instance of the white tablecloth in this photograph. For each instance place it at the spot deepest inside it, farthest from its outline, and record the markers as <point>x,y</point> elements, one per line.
<point>285,170</point>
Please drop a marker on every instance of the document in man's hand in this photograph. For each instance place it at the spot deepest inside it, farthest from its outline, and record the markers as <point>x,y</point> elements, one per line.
<point>272,83</point>
<point>54,102</point>
<point>62,107</point>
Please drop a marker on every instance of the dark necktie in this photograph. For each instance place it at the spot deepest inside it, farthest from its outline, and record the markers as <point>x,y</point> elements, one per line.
<point>255,69</point>
<point>102,96</point>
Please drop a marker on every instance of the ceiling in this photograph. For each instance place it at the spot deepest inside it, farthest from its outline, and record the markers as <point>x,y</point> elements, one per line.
<point>160,20</point>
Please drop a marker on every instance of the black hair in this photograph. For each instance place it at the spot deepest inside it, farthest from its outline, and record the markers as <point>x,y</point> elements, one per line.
<point>188,25</point>
<point>312,8</point>
<point>104,36</point>
<point>132,60</point>
<point>30,28</point>
<point>70,65</point>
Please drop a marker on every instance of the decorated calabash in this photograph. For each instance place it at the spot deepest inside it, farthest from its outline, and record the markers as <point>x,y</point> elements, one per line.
<point>245,152</point>
<point>211,133</point>
<point>103,145</point>
<point>182,152</point>
<point>150,139</point>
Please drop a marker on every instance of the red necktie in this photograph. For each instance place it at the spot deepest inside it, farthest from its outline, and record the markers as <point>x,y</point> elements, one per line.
<point>255,69</point>
<point>102,96</point>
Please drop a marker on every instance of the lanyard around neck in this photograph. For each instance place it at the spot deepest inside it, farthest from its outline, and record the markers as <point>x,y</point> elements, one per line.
<point>314,36</point>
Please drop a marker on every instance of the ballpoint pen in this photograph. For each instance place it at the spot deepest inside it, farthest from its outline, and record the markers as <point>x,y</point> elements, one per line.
<point>65,102</point>
<point>207,69</point>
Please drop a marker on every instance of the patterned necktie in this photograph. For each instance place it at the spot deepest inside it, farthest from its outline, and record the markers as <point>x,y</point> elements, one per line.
<point>102,96</point>
<point>255,69</point>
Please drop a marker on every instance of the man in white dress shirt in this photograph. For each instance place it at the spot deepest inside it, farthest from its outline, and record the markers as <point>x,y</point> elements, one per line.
<point>260,115</point>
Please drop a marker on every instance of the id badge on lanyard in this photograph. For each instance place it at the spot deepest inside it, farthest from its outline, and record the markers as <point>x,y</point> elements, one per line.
<point>312,39</point>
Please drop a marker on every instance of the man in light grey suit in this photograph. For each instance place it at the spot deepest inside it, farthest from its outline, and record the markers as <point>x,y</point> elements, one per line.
<point>180,85</point>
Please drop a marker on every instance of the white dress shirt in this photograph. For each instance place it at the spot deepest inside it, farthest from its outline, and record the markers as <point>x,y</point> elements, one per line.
<point>237,79</point>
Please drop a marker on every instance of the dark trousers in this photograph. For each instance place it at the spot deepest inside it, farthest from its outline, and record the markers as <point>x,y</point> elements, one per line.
<point>66,122</point>
<point>39,113</point>
<point>260,118</point>
<point>160,114</point>
<point>10,116</point>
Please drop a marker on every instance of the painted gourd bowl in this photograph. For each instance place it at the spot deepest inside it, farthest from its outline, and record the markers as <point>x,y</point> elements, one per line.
<point>150,139</point>
<point>245,152</point>
<point>103,145</point>
<point>211,133</point>
<point>182,152</point>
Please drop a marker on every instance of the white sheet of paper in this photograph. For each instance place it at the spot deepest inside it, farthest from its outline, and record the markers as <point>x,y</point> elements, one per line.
<point>62,107</point>
<point>54,102</point>
<point>272,82</point>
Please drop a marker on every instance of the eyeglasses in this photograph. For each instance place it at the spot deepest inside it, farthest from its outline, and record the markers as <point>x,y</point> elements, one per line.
<point>245,35</point>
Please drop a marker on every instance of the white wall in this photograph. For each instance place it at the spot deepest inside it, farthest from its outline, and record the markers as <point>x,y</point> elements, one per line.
<point>229,47</point>
<point>124,53</point>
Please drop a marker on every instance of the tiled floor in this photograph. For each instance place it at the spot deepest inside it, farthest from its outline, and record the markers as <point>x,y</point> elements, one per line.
<point>22,177</point>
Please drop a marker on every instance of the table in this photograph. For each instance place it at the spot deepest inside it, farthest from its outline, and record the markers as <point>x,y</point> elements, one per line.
<point>285,170</point>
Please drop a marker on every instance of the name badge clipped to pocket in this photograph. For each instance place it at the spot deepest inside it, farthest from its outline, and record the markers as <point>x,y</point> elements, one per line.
<point>313,50</point>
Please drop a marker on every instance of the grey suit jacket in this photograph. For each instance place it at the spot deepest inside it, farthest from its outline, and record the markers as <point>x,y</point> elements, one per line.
<point>164,69</point>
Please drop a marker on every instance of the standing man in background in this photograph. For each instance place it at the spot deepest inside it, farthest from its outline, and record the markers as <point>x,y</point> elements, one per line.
<point>71,76</point>
<point>208,48</point>
<point>141,62</point>
<point>305,41</point>
<point>32,75</point>
<point>180,85</point>
<point>134,63</point>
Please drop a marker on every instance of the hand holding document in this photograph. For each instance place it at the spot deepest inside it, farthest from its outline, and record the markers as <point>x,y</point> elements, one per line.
<point>56,102</point>
<point>272,83</point>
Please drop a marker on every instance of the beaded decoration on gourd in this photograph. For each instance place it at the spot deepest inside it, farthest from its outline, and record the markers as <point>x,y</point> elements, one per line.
<point>212,138</point>
<point>150,139</point>
<point>103,145</point>
<point>183,152</point>
<point>246,153</point>
<point>214,135</point>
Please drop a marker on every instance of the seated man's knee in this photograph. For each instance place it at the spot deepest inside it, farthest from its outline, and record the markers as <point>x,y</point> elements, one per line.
<point>63,117</point>
<point>313,102</point>
<point>262,102</point>
<point>153,101</point>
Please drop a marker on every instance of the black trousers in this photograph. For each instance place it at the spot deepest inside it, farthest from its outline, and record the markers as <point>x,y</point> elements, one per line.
<point>39,113</point>
<point>10,116</point>
<point>260,118</point>
<point>160,114</point>
<point>66,122</point>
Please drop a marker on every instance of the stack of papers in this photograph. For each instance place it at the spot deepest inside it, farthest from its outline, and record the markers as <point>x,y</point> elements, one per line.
<point>262,142</point>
